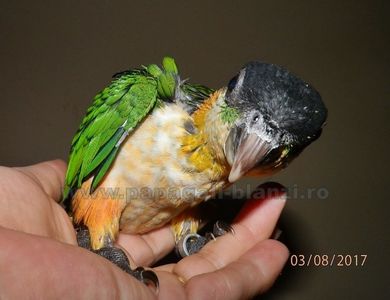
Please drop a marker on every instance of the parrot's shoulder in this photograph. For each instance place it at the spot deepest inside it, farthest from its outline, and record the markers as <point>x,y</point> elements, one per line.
<point>190,95</point>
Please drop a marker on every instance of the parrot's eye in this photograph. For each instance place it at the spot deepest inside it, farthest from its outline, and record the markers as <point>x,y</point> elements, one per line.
<point>232,83</point>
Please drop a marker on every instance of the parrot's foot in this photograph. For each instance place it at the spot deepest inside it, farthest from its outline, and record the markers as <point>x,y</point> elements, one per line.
<point>119,258</point>
<point>193,242</point>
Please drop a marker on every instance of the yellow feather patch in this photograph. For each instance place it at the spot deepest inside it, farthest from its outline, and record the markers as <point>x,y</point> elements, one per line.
<point>200,114</point>
<point>196,147</point>
<point>185,223</point>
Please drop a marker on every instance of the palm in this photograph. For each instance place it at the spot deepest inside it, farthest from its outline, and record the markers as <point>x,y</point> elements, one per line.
<point>221,268</point>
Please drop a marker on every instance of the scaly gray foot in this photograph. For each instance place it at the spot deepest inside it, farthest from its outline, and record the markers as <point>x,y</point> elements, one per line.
<point>118,257</point>
<point>192,243</point>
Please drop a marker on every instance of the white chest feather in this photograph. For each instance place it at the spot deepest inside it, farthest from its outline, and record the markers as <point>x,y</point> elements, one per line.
<point>152,173</point>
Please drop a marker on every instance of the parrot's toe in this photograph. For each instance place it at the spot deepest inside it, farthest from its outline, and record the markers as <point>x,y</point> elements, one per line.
<point>119,257</point>
<point>83,237</point>
<point>116,256</point>
<point>193,242</point>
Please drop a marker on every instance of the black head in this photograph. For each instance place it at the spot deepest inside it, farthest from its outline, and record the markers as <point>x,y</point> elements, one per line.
<point>282,112</point>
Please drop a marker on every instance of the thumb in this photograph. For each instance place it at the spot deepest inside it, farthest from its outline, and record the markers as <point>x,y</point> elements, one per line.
<point>50,175</point>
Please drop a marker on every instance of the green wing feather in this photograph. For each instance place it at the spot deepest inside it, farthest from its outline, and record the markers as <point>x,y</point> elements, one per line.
<point>194,94</point>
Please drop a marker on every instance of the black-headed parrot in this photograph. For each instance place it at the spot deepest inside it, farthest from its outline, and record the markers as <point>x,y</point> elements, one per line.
<point>153,146</point>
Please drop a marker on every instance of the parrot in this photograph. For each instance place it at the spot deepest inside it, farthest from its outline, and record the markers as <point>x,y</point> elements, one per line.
<point>153,146</point>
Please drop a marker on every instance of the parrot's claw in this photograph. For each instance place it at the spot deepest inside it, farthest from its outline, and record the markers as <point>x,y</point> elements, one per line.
<point>147,277</point>
<point>190,244</point>
<point>193,242</point>
<point>119,258</point>
<point>221,228</point>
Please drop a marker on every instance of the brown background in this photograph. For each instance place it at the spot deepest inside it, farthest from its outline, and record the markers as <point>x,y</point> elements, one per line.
<point>55,56</point>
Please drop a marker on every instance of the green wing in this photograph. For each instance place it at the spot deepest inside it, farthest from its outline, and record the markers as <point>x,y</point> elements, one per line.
<point>115,112</point>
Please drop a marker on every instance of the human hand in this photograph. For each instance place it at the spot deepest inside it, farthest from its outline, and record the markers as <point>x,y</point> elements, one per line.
<point>39,257</point>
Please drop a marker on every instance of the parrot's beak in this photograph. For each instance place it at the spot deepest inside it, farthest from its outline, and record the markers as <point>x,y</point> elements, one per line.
<point>244,151</point>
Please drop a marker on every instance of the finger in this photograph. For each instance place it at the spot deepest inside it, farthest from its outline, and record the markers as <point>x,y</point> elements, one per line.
<point>250,275</point>
<point>170,286</point>
<point>61,271</point>
<point>148,248</point>
<point>50,175</point>
<point>254,223</point>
